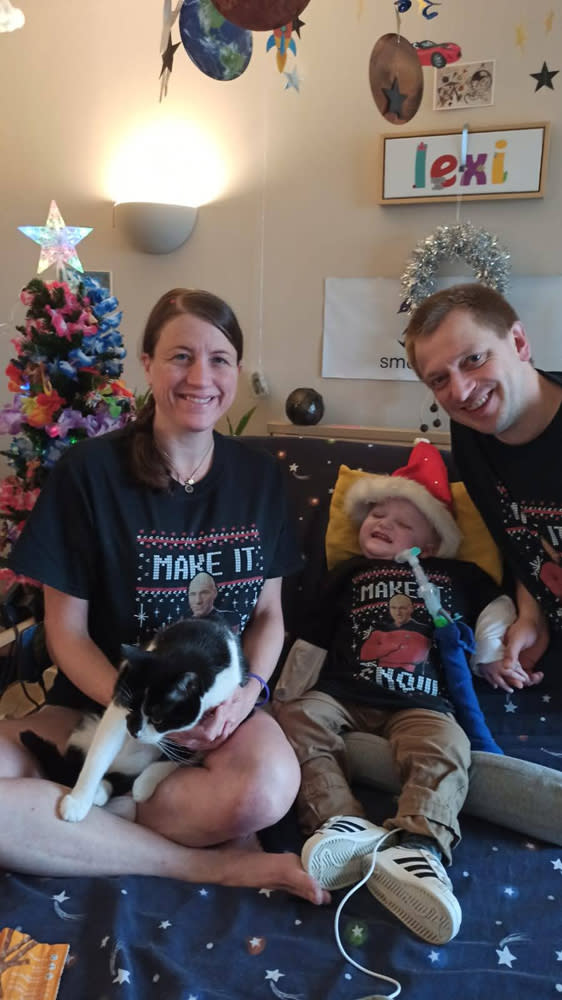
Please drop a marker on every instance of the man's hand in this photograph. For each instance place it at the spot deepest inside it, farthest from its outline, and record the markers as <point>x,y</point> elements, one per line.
<point>219,723</point>
<point>525,642</point>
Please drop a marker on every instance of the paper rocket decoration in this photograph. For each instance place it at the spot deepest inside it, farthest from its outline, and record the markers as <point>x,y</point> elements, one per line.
<point>10,17</point>
<point>57,241</point>
<point>282,41</point>
<point>544,77</point>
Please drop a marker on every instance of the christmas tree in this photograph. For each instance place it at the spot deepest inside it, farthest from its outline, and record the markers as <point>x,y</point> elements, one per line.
<point>66,379</point>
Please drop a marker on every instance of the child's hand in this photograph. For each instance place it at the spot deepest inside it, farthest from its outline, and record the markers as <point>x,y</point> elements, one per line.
<point>506,677</point>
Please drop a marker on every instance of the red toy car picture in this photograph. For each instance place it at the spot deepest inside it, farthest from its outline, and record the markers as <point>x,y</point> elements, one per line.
<point>437,54</point>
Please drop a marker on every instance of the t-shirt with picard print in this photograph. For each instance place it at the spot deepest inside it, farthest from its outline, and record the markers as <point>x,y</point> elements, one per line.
<point>379,635</point>
<point>518,490</point>
<point>95,531</point>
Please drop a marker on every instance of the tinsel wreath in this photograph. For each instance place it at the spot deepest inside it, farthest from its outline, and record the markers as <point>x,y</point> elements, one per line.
<point>480,249</point>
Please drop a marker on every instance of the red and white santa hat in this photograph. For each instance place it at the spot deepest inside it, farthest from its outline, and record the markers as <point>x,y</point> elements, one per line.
<point>424,482</point>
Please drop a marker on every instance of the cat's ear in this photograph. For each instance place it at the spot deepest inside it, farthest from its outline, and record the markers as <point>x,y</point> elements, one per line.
<point>128,652</point>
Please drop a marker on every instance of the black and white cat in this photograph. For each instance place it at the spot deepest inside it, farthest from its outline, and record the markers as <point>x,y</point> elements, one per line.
<point>186,670</point>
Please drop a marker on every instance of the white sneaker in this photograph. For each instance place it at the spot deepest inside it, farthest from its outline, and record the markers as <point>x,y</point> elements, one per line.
<point>412,883</point>
<point>333,855</point>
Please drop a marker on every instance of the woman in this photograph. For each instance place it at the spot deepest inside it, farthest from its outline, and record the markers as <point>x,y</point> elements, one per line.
<point>124,523</point>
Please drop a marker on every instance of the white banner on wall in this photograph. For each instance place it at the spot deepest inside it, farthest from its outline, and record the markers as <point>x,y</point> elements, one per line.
<point>363,329</point>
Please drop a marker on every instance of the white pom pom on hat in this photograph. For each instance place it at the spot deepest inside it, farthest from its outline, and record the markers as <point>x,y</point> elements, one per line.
<point>424,482</point>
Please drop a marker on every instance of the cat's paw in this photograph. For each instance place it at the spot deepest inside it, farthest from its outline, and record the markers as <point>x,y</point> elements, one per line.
<point>73,809</point>
<point>103,794</point>
<point>143,787</point>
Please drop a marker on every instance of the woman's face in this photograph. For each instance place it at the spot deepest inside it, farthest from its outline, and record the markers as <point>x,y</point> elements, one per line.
<point>193,374</point>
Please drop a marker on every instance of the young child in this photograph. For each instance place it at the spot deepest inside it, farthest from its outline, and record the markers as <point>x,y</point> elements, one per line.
<point>370,657</point>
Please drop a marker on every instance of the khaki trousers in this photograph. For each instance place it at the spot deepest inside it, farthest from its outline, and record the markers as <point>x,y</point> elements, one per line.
<point>430,749</point>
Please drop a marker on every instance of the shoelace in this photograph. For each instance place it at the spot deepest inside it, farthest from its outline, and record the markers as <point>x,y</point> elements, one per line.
<point>348,895</point>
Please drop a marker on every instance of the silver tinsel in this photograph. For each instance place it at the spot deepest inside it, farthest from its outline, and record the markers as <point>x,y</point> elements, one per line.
<point>480,249</point>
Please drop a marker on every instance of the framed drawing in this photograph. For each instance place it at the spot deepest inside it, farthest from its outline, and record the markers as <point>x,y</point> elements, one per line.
<point>494,162</point>
<point>464,85</point>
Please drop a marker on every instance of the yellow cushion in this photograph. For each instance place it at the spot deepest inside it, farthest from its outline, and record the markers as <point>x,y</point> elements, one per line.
<point>342,536</point>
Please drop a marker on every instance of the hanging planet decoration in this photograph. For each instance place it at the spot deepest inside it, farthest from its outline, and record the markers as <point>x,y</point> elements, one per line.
<point>396,78</point>
<point>480,249</point>
<point>304,406</point>
<point>218,48</point>
<point>260,15</point>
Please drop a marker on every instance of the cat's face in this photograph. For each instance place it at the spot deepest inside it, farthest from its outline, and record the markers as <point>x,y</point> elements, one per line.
<point>168,688</point>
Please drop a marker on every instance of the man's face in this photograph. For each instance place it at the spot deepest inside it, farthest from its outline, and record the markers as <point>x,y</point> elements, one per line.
<point>201,596</point>
<point>479,378</point>
<point>400,608</point>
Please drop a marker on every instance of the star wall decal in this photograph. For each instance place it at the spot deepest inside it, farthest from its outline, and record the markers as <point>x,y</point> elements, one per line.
<point>167,65</point>
<point>395,98</point>
<point>298,24</point>
<point>544,77</point>
<point>293,81</point>
<point>57,241</point>
<point>520,36</point>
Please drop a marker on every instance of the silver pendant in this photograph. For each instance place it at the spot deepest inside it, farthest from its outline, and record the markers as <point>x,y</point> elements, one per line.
<point>188,486</point>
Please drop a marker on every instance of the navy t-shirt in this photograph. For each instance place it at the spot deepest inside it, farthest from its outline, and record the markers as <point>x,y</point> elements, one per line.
<point>131,551</point>
<point>379,635</point>
<point>518,490</point>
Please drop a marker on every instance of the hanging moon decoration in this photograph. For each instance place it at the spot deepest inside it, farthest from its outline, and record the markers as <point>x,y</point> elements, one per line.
<point>396,78</point>
<point>260,15</point>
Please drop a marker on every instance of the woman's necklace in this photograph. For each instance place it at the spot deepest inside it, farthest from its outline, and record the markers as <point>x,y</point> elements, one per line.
<point>189,483</point>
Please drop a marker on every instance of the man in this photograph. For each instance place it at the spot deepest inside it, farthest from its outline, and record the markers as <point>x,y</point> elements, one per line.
<point>469,347</point>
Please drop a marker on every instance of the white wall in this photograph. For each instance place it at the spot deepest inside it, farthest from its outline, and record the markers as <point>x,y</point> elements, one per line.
<point>300,170</point>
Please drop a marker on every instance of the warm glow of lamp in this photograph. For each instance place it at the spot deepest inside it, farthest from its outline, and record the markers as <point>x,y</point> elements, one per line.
<point>159,176</point>
<point>168,161</point>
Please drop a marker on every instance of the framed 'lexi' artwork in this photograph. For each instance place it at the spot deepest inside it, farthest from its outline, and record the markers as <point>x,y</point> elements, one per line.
<point>494,162</point>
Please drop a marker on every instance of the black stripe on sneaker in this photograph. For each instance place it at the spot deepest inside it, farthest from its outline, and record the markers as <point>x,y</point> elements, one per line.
<point>420,869</point>
<point>345,826</point>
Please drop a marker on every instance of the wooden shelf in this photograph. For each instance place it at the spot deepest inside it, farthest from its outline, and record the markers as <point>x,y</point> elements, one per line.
<point>352,432</point>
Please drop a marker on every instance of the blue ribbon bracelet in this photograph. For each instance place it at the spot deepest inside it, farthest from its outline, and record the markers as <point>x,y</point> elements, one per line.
<point>265,690</point>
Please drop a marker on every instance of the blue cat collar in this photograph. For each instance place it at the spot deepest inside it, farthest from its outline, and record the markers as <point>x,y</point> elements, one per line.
<point>265,690</point>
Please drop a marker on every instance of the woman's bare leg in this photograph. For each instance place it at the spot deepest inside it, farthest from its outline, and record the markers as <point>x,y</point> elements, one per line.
<point>35,841</point>
<point>248,783</point>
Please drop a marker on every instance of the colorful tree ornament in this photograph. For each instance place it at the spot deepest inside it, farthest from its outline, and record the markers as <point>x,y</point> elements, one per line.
<point>57,241</point>
<point>66,379</point>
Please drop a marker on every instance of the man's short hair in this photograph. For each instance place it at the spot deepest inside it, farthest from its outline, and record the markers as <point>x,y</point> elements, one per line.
<point>485,305</point>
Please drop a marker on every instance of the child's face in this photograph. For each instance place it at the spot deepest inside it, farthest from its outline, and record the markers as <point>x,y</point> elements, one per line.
<point>394,525</point>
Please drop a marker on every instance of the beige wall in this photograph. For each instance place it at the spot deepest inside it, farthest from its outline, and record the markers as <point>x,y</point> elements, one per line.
<point>299,201</point>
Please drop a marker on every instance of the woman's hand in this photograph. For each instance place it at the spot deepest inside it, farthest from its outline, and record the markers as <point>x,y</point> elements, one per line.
<point>219,723</point>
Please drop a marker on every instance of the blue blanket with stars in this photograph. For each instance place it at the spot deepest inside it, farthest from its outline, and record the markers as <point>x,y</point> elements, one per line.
<point>148,937</point>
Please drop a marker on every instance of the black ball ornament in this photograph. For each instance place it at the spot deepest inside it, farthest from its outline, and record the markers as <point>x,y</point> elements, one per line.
<point>304,406</point>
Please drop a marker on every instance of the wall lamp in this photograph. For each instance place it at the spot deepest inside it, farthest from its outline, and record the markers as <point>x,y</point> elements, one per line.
<point>155,228</point>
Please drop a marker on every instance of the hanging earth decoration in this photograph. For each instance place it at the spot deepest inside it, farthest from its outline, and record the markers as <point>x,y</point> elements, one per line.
<point>218,48</point>
<point>260,15</point>
<point>396,78</point>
